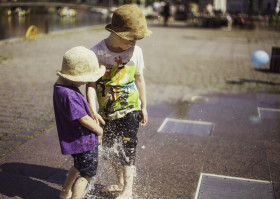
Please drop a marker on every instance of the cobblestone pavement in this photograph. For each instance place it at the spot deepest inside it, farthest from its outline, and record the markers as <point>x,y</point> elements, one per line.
<point>180,62</point>
<point>188,61</point>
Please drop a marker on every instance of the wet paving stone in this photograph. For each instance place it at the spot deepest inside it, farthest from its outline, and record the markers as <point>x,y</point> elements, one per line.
<point>17,138</point>
<point>3,151</point>
<point>4,131</point>
<point>27,133</point>
<point>8,144</point>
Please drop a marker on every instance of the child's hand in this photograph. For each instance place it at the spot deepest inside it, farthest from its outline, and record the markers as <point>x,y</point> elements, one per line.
<point>96,116</point>
<point>100,139</point>
<point>99,134</point>
<point>99,119</point>
<point>144,117</point>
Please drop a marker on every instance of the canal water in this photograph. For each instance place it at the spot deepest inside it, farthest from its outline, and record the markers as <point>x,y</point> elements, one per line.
<point>16,26</point>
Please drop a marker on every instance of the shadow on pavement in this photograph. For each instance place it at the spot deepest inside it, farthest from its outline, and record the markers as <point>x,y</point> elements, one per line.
<point>242,81</point>
<point>265,70</point>
<point>30,181</point>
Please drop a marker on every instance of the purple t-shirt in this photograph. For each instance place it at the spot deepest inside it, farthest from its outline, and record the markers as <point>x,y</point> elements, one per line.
<point>69,105</point>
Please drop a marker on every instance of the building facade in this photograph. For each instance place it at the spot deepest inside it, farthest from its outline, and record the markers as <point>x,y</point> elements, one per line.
<point>242,6</point>
<point>251,6</point>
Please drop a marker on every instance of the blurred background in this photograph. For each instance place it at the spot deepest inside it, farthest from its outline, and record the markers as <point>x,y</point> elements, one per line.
<point>56,15</point>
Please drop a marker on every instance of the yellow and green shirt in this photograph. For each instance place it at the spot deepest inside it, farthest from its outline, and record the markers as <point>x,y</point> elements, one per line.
<point>117,94</point>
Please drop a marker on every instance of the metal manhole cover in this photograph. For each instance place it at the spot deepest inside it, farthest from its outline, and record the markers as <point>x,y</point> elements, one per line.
<point>268,113</point>
<point>220,187</point>
<point>170,125</point>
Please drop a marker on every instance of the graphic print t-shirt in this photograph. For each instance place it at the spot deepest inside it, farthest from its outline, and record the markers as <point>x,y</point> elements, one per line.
<point>116,91</point>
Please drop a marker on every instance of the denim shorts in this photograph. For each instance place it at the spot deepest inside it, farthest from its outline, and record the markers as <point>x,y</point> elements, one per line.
<point>86,163</point>
<point>120,138</point>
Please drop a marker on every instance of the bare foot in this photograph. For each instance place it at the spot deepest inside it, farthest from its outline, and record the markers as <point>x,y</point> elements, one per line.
<point>65,195</point>
<point>112,188</point>
<point>123,195</point>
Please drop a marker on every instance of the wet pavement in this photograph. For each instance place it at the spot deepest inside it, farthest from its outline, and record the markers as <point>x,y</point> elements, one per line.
<point>200,76</point>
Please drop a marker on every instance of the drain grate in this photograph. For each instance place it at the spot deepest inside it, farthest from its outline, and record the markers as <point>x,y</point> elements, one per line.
<point>170,125</point>
<point>268,113</point>
<point>220,187</point>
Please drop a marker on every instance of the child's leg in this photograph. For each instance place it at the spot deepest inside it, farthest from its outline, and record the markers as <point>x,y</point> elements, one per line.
<point>111,142</point>
<point>119,172</point>
<point>79,187</point>
<point>128,183</point>
<point>131,126</point>
<point>86,163</point>
<point>70,179</point>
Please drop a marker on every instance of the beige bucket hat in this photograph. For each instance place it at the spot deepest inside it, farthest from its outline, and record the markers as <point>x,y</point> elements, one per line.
<point>129,23</point>
<point>81,65</point>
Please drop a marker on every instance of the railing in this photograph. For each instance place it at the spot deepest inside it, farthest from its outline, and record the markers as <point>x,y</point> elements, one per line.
<point>53,4</point>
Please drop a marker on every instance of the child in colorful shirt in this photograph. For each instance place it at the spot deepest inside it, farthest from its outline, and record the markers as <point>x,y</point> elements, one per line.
<point>121,93</point>
<point>79,134</point>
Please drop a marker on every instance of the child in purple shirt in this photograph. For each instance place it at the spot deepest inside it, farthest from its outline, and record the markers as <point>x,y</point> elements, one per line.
<point>79,134</point>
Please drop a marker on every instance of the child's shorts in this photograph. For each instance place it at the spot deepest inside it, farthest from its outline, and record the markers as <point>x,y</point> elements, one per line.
<point>86,163</point>
<point>120,138</point>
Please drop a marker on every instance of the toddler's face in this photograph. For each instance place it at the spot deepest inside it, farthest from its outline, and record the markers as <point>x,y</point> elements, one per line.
<point>126,44</point>
<point>78,84</point>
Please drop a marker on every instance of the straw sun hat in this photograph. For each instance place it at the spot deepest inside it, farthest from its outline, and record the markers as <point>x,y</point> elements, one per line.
<point>81,65</point>
<point>129,23</point>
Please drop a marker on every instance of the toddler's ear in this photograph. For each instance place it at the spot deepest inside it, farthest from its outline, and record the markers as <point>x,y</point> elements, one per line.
<point>92,84</point>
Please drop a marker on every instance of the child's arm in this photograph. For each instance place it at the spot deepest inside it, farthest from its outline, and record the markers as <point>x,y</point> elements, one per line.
<point>92,125</point>
<point>91,97</point>
<point>140,84</point>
